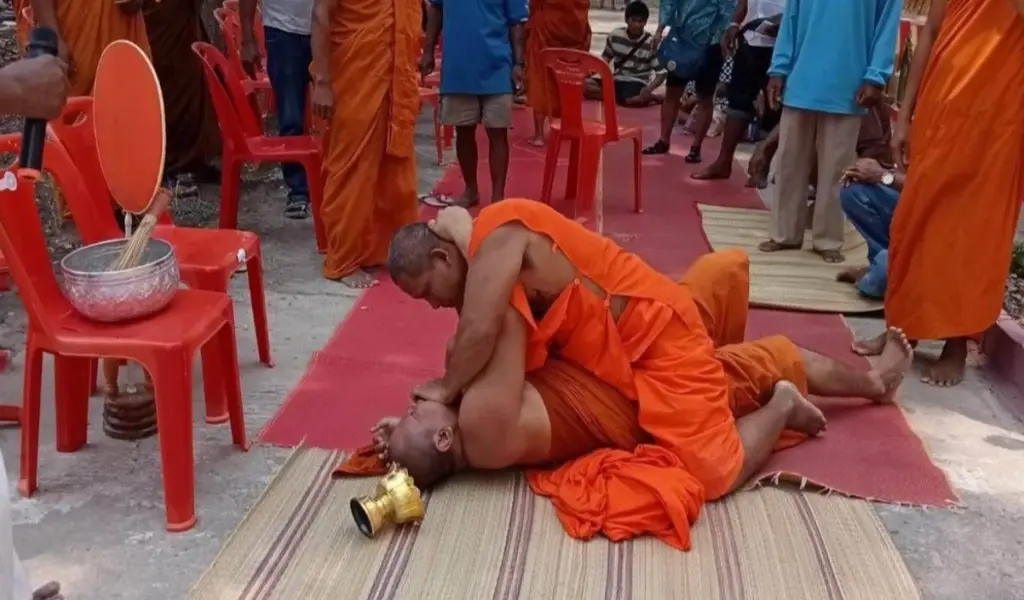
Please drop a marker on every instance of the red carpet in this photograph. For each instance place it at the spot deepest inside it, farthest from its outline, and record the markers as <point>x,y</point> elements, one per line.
<point>390,342</point>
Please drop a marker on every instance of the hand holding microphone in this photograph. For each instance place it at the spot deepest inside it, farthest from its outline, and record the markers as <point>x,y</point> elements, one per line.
<point>43,44</point>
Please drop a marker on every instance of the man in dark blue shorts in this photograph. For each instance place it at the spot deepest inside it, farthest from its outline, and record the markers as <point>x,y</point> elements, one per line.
<point>700,20</point>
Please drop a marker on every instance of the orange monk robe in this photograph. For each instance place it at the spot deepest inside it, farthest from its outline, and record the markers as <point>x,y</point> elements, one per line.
<point>620,484</point>
<point>21,24</point>
<point>369,161</point>
<point>88,27</point>
<point>552,24</point>
<point>953,229</point>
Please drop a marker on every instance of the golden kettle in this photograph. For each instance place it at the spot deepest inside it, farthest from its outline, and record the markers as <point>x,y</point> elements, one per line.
<point>396,500</point>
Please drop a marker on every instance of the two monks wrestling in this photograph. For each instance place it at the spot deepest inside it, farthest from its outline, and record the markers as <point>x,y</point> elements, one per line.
<point>569,348</point>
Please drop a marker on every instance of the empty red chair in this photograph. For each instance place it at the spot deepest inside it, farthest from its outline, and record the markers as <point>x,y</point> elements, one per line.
<point>164,344</point>
<point>588,136</point>
<point>430,96</point>
<point>231,28</point>
<point>207,258</point>
<point>241,146</point>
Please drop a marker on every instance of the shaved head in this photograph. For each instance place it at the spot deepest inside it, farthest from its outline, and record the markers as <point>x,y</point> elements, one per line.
<point>409,252</point>
<point>421,443</point>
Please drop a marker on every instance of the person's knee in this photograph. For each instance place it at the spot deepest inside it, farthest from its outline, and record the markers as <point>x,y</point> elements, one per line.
<point>854,198</point>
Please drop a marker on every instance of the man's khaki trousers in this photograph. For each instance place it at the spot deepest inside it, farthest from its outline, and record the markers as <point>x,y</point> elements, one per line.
<point>806,136</point>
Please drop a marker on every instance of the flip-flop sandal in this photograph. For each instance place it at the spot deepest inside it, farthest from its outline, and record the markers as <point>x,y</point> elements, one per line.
<point>693,157</point>
<point>437,200</point>
<point>659,147</point>
<point>297,210</point>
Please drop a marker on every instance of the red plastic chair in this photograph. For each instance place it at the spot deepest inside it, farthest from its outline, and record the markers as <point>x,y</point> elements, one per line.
<point>241,144</point>
<point>207,258</point>
<point>588,137</point>
<point>231,28</point>
<point>430,97</point>
<point>165,344</point>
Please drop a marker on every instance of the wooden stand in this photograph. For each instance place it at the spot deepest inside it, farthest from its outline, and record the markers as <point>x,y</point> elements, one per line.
<point>128,414</point>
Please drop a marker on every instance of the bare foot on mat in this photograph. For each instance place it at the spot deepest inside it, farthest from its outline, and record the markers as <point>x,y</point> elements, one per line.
<point>851,275</point>
<point>830,256</point>
<point>871,346</point>
<point>713,171</point>
<point>892,365</point>
<point>803,416</point>
<point>948,370</point>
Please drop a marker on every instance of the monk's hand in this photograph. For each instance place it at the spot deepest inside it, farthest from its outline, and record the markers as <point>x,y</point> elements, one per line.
<point>129,7</point>
<point>869,94</point>
<point>774,92</point>
<point>899,143</point>
<point>323,100</point>
<point>382,433</point>
<point>251,58</point>
<point>433,391</point>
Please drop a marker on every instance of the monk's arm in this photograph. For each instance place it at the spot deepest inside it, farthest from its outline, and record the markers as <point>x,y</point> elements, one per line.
<point>435,18</point>
<point>925,40</point>
<point>492,275</point>
<point>321,41</point>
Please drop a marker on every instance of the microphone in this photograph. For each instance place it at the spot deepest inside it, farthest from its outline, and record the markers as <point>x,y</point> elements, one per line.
<point>42,40</point>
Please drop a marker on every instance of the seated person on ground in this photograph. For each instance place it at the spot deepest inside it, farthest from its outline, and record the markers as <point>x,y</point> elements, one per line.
<point>515,415</point>
<point>631,53</point>
<point>869,196</point>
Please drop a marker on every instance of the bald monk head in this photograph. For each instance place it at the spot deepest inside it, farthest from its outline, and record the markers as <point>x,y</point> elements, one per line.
<point>425,442</point>
<point>427,267</point>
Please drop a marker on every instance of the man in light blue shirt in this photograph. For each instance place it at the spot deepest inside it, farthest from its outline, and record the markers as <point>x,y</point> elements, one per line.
<point>832,59</point>
<point>481,69</point>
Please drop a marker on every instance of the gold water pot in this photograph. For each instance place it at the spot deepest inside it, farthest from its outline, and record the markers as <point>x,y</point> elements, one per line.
<point>396,500</point>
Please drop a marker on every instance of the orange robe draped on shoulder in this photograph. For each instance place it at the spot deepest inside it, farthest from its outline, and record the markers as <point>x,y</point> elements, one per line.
<point>552,24</point>
<point>952,232</point>
<point>369,160</point>
<point>88,27</point>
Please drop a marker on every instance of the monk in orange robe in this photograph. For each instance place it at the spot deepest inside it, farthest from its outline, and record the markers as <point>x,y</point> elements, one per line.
<point>86,28</point>
<point>562,412</point>
<point>365,83</point>
<point>552,24</point>
<point>952,233</point>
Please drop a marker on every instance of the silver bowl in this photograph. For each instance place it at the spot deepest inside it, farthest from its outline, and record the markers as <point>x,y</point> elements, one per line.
<point>113,296</point>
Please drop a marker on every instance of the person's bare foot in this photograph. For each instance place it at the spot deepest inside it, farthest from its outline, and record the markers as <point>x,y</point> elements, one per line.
<point>830,256</point>
<point>803,416</point>
<point>536,141</point>
<point>948,370</point>
<point>870,347</point>
<point>773,246</point>
<point>360,280</point>
<point>757,180</point>
<point>851,275</point>
<point>48,591</point>
<point>713,171</point>
<point>892,365</point>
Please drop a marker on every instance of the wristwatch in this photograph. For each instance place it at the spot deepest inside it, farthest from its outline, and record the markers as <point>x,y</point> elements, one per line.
<point>888,178</point>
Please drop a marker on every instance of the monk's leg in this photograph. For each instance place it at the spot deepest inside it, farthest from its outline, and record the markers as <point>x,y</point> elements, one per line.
<point>828,377</point>
<point>948,370</point>
<point>497,118</point>
<point>760,430</point>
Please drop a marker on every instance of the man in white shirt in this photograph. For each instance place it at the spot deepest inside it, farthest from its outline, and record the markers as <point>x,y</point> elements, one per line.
<point>287,25</point>
<point>752,55</point>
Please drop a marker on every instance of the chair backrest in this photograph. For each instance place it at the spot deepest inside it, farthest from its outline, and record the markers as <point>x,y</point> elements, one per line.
<point>571,69</point>
<point>246,104</point>
<point>24,246</point>
<point>226,92</point>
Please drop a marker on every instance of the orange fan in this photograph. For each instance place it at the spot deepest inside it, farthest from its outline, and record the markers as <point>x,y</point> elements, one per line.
<point>131,139</point>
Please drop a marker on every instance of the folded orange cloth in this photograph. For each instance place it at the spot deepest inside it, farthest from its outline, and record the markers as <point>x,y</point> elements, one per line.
<point>364,462</point>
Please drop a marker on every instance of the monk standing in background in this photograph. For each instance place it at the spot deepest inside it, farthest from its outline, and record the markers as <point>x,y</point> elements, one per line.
<point>952,232</point>
<point>552,24</point>
<point>85,28</point>
<point>365,83</point>
<point>193,138</point>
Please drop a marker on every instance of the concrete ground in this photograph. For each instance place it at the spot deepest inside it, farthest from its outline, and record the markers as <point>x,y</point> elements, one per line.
<point>96,523</point>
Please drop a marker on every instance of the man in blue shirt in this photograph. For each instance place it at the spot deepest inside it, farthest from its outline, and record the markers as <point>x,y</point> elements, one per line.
<point>702,21</point>
<point>832,59</point>
<point>482,68</point>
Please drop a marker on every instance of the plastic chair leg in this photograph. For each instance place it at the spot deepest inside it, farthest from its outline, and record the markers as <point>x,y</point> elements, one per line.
<point>438,141</point>
<point>31,399</point>
<point>638,203</point>
<point>213,386</point>
<point>227,349</point>
<point>71,379</point>
<point>572,177</point>
<point>172,383</point>
<point>449,136</point>
<point>315,175</point>
<point>231,174</point>
<point>550,166</point>
<point>258,300</point>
